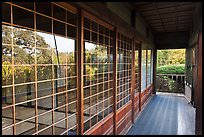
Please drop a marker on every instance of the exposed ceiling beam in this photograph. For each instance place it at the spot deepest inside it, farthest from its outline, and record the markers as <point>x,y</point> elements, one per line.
<point>155,7</point>
<point>171,12</point>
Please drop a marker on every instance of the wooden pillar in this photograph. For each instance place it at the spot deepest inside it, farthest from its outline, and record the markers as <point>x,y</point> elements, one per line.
<point>115,82</point>
<point>140,78</point>
<point>154,70</point>
<point>133,79</point>
<point>80,46</point>
<point>198,88</point>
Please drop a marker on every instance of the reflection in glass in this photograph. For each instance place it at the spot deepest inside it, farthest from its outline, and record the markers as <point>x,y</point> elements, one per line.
<point>6,35</point>
<point>6,12</point>
<point>59,28</point>
<point>44,72</point>
<point>24,93</point>
<point>23,17</point>
<point>44,88</point>
<point>43,23</point>
<point>23,74</point>
<point>27,112</point>
<point>7,117</point>
<point>6,96</point>
<point>45,120</point>
<point>44,8</point>
<point>143,70</point>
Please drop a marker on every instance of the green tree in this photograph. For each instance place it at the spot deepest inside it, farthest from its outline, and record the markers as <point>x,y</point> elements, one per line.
<point>24,53</point>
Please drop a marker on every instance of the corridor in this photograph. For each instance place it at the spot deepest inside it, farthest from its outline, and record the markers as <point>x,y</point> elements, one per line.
<point>165,114</point>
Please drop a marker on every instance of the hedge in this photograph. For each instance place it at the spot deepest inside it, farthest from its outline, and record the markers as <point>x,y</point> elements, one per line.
<point>171,69</point>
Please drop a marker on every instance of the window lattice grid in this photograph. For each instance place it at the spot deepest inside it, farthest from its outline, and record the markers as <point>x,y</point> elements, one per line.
<point>98,72</point>
<point>148,67</point>
<point>137,78</point>
<point>123,69</point>
<point>38,80</point>
<point>143,70</point>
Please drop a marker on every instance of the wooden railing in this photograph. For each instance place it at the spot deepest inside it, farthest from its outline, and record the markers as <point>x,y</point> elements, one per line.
<point>173,83</point>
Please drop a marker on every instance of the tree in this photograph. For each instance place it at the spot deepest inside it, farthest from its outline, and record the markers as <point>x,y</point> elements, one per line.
<point>24,53</point>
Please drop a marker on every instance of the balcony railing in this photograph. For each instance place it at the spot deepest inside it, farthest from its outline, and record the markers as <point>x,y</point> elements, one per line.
<point>173,83</point>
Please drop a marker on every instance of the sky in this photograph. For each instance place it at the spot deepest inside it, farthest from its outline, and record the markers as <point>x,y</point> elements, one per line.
<point>63,44</point>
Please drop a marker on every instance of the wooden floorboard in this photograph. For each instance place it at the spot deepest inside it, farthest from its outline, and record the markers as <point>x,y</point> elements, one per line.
<point>165,114</point>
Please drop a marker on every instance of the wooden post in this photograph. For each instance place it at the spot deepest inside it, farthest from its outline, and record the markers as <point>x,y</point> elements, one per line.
<point>140,79</point>
<point>154,70</point>
<point>115,82</point>
<point>133,79</point>
<point>80,46</point>
<point>198,88</point>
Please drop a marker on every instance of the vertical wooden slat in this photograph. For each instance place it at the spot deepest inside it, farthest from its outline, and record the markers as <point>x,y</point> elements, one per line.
<point>154,70</point>
<point>133,79</point>
<point>80,45</point>
<point>146,69</point>
<point>13,88</point>
<point>35,88</point>
<point>115,81</point>
<point>140,59</point>
<point>198,89</point>
<point>53,76</point>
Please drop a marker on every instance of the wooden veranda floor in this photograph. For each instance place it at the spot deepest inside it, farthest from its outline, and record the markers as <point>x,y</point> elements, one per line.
<point>165,114</point>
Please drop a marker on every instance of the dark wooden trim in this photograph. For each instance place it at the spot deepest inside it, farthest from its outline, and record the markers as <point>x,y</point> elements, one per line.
<point>146,67</point>
<point>133,79</point>
<point>198,88</point>
<point>133,18</point>
<point>115,81</point>
<point>67,6</point>
<point>80,46</point>
<point>154,70</point>
<point>98,20</point>
<point>140,59</point>
<point>100,125</point>
<point>109,17</point>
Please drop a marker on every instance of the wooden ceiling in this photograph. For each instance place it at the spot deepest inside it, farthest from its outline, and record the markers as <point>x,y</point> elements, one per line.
<point>166,16</point>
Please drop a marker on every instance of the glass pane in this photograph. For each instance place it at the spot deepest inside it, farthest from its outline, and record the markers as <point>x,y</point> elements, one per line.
<point>44,121</point>
<point>71,31</point>
<point>71,83</point>
<point>6,13</point>
<point>7,117</point>
<point>24,93</point>
<point>23,74</point>
<point>24,55</point>
<point>6,74</point>
<point>86,35</point>
<point>24,38</point>
<point>44,88</point>
<point>43,23</point>
<point>60,127</point>
<point>25,111</point>
<point>58,12</point>
<point>59,28</point>
<point>44,56</point>
<point>87,23</point>
<point>6,35</point>
<point>44,72</point>
<point>44,104</point>
<point>7,96</point>
<point>71,70</point>
<point>72,121</point>
<point>44,8</point>
<point>71,18</point>
<point>26,128</point>
<point>72,96</point>
<point>23,17</point>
